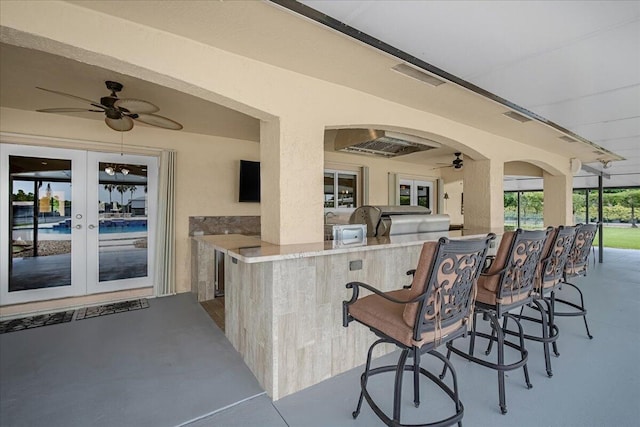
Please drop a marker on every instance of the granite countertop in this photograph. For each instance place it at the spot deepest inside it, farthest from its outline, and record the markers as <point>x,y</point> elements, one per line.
<point>251,249</point>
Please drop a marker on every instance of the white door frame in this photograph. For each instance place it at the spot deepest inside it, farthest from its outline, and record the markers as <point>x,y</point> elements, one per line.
<point>93,160</point>
<point>84,212</point>
<point>78,217</point>
<point>413,195</point>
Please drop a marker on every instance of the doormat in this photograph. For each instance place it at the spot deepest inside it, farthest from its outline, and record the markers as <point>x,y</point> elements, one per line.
<point>106,309</point>
<point>31,322</point>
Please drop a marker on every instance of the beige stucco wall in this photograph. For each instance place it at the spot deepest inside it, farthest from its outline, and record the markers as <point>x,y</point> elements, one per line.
<point>295,111</point>
<point>207,166</point>
<point>264,91</point>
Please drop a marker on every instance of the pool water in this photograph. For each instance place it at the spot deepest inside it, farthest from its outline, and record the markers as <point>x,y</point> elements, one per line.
<point>137,228</point>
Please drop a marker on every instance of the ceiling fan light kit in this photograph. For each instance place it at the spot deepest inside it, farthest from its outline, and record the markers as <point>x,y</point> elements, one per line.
<point>120,113</point>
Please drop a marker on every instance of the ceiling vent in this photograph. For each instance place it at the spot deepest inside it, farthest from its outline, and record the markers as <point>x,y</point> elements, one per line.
<point>567,138</point>
<point>517,116</point>
<point>414,73</point>
<point>381,143</point>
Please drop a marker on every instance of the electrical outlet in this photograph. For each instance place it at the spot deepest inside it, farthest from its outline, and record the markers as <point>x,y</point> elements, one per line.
<point>355,265</point>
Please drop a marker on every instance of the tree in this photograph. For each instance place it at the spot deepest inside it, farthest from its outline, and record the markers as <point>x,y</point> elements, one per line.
<point>132,189</point>
<point>109,188</point>
<point>122,188</point>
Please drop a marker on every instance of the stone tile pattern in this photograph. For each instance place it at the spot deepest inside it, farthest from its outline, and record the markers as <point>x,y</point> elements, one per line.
<point>205,225</point>
<point>203,270</point>
<point>285,317</point>
<point>202,255</point>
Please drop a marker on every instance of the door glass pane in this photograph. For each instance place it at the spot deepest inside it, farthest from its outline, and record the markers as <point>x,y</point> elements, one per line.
<point>40,223</point>
<point>346,190</point>
<point>405,195</point>
<point>329,197</point>
<point>122,225</point>
<point>423,196</point>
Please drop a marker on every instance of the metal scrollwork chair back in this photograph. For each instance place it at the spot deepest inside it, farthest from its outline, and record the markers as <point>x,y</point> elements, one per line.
<point>507,283</point>
<point>433,310</point>
<point>577,265</point>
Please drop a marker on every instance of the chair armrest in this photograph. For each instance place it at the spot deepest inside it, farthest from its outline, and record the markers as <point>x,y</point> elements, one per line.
<point>488,262</point>
<point>355,286</point>
<point>411,272</point>
<point>495,273</point>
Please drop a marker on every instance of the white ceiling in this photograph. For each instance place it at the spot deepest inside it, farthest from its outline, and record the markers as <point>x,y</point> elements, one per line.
<point>21,70</point>
<point>576,63</point>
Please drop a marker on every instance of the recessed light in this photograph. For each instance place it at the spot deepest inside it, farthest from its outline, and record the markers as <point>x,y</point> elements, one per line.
<point>414,73</point>
<point>517,116</point>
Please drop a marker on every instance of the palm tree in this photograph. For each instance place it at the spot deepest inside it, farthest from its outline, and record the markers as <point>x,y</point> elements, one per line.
<point>122,188</point>
<point>132,189</point>
<point>109,188</point>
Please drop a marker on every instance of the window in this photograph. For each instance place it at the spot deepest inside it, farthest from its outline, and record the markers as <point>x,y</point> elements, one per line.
<point>340,189</point>
<point>416,193</point>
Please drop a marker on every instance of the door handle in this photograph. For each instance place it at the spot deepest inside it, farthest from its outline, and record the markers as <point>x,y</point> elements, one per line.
<point>91,226</point>
<point>78,227</point>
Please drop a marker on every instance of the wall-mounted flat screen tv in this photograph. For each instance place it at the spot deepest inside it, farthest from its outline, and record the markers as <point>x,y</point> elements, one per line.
<point>249,181</point>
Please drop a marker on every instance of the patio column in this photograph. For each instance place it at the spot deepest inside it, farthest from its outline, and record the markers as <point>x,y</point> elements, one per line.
<point>483,195</point>
<point>292,164</point>
<point>558,200</point>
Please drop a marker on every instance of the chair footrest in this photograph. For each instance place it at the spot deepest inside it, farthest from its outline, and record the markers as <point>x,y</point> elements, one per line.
<point>497,367</point>
<point>551,338</point>
<point>580,311</point>
<point>457,417</point>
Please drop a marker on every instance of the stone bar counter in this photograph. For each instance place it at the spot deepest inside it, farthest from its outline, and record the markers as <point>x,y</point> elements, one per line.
<point>283,304</point>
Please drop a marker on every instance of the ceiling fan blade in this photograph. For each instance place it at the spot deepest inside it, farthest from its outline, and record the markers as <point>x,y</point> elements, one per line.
<point>136,106</point>
<point>77,98</point>
<point>155,120</point>
<point>68,110</point>
<point>121,125</point>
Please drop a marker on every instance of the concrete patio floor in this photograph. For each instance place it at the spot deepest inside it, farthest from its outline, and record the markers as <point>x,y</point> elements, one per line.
<point>178,369</point>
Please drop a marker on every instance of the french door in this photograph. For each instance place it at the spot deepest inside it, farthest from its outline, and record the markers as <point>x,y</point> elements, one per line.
<point>416,193</point>
<point>74,222</point>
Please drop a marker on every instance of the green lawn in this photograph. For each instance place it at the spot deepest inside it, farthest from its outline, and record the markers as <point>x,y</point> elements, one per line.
<point>620,237</point>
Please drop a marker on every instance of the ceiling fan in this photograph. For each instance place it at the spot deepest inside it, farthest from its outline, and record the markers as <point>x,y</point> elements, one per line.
<point>456,163</point>
<point>119,112</point>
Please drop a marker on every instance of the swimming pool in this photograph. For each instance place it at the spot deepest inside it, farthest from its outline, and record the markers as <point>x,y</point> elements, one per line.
<point>106,227</point>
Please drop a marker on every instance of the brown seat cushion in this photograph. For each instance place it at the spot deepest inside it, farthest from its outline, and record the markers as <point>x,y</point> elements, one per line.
<point>490,283</point>
<point>418,285</point>
<point>387,317</point>
<point>491,298</point>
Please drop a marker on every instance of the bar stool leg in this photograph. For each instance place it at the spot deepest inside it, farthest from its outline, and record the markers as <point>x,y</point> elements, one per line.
<point>552,309</point>
<point>545,336</point>
<point>523,352</point>
<point>364,378</point>
<point>416,377</point>
<point>472,341</point>
<point>397,390</point>
<point>500,344</point>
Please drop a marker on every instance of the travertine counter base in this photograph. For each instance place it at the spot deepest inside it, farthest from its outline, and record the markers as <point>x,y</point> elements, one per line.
<point>284,311</point>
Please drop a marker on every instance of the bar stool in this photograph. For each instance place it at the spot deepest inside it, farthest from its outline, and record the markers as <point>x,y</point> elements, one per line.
<point>506,284</point>
<point>434,310</point>
<point>552,264</point>
<point>577,266</point>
